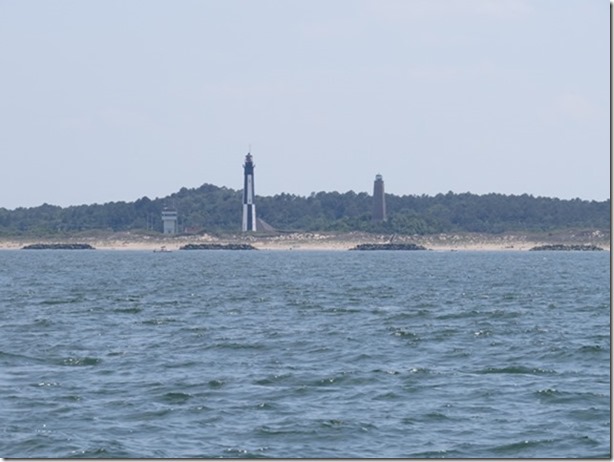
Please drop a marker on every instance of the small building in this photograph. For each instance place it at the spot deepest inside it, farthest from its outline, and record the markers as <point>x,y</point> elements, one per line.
<point>169,221</point>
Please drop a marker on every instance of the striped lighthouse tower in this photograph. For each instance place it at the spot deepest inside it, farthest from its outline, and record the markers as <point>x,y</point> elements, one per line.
<point>249,208</point>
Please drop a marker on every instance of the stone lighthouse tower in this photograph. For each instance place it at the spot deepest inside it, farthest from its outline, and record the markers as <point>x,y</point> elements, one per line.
<point>249,208</point>
<point>379,200</point>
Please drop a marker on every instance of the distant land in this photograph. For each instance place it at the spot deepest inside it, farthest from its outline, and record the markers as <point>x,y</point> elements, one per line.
<point>214,210</point>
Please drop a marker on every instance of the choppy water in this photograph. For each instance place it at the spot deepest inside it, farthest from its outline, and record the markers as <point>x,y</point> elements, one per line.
<point>304,354</point>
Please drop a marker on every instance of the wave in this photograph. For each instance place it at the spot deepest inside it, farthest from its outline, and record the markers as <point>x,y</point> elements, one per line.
<point>517,370</point>
<point>175,397</point>
<point>80,361</point>
<point>520,448</point>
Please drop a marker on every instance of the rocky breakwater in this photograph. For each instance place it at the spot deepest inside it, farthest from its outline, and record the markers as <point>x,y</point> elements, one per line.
<point>389,246</point>
<point>581,247</point>
<point>217,247</point>
<point>59,246</point>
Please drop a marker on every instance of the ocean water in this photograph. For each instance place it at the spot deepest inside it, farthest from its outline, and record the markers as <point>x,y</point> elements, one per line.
<point>206,354</point>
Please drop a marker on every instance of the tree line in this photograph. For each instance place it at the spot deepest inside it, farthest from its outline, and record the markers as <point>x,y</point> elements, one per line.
<point>214,209</point>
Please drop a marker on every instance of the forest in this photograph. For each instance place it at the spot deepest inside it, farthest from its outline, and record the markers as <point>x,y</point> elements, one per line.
<point>214,209</point>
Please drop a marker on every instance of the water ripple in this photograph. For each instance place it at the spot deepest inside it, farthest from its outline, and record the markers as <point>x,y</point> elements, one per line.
<point>304,354</point>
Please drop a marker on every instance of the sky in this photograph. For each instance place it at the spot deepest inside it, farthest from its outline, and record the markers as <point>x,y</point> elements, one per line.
<point>114,100</point>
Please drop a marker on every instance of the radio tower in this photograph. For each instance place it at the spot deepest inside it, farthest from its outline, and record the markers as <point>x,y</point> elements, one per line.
<point>249,208</point>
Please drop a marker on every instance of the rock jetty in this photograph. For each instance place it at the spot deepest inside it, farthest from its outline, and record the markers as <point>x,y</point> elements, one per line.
<point>217,247</point>
<point>59,246</point>
<point>389,246</point>
<point>566,247</point>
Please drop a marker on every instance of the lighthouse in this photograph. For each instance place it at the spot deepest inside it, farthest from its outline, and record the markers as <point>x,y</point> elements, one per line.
<point>249,208</point>
<point>379,199</point>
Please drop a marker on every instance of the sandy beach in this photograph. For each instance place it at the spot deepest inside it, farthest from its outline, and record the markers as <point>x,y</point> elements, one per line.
<point>328,241</point>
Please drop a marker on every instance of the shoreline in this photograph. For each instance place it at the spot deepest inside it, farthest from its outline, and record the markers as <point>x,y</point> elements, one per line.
<point>509,242</point>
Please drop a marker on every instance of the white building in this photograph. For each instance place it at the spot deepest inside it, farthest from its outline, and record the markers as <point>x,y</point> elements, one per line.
<point>169,221</point>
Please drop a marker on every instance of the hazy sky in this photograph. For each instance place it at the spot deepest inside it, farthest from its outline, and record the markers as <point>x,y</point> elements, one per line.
<point>107,100</point>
